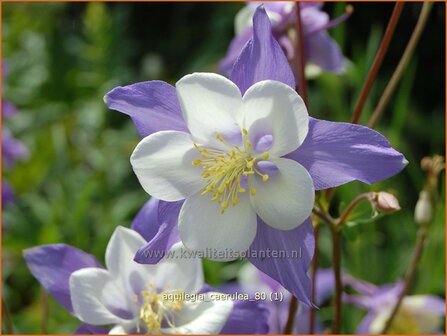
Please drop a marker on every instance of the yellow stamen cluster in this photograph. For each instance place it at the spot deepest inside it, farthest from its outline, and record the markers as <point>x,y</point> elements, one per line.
<point>155,308</point>
<point>224,170</point>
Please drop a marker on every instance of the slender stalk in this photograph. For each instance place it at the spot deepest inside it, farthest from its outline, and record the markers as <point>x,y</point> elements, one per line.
<point>336,256</point>
<point>422,236</point>
<point>383,48</point>
<point>45,311</point>
<point>350,207</point>
<point>403,63</point>
<point>292,313</point>
<point>313,311</point>
<point>300,57</point>
<point>323,216</point>
<point>7,318</point>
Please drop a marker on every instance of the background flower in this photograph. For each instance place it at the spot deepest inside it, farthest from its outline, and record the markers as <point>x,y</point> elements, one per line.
<point>129,295</point>
<point>322,52</point>
<point>418,314</point>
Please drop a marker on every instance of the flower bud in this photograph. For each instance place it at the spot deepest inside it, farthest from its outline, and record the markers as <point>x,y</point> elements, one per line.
<point>423,212</point>
<point>385,202</point>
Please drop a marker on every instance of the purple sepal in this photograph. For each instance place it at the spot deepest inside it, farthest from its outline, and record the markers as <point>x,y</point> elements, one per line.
<point>289,270</point>
<point>262,57</point>
<point>52,266</point>
<point>324,52</point>
<point>236,46</point>
<point>87,329</point>
<point>166,236</point>
<point>146,220</point>
<point>257,312</point>
<point>247,317</point>
<point>153,106</point>
<point>335,153</point>
<point>364,326</point>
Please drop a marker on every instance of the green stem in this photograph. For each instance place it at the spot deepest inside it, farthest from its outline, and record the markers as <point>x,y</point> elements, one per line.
<point>323,216</point>
<point>344,216</point>
<point>45,311</point>
<point>383,48</point>
<point>403,63</point>
<point>7,318</point>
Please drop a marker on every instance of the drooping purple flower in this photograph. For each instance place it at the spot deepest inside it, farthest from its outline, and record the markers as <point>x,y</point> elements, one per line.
<point>418,314</point>
<point>321,51</point>
<point>332,153</point>
<point>134,297</point>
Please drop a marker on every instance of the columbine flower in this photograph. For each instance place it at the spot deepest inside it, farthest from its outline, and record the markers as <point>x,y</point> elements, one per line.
<point>418,314</point>
<point>322,52</point>
<point>134,298</point>
<point>230,168</point>
<point>205,118</point>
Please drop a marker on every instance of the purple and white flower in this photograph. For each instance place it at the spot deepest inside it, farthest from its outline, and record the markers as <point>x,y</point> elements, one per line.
<point>321,51</point>
<point>134,298</point>
<point>205,118</point>
<point>230,168</point>
<point>418,314</point>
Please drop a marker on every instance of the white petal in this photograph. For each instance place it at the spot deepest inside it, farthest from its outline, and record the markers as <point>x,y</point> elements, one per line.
<point>117,330</point>
<point>202,317</point>
<point>287,198</point>
<point>130,276</point>
<point>271,107</point>
<point>179,270</point>
<point>210,105</point>
<point>163,164</point>
<point>428,321</point>
<point>221,236</point>
<point>88,288</point>
<point>125,328</point>
<point>378,323</point>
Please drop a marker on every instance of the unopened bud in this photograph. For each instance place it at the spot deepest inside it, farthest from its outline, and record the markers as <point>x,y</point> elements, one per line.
<point>423,212</point>
<point>385,202</point>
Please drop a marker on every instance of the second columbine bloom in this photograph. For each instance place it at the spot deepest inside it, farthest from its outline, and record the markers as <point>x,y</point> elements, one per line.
<point>230,168</point>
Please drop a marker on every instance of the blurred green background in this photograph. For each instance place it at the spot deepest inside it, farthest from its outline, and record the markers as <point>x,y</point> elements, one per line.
<point>78,185</point>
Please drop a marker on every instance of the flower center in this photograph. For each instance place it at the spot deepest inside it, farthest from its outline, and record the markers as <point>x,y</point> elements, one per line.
<point>224,170</point>
<point>158,307</point>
